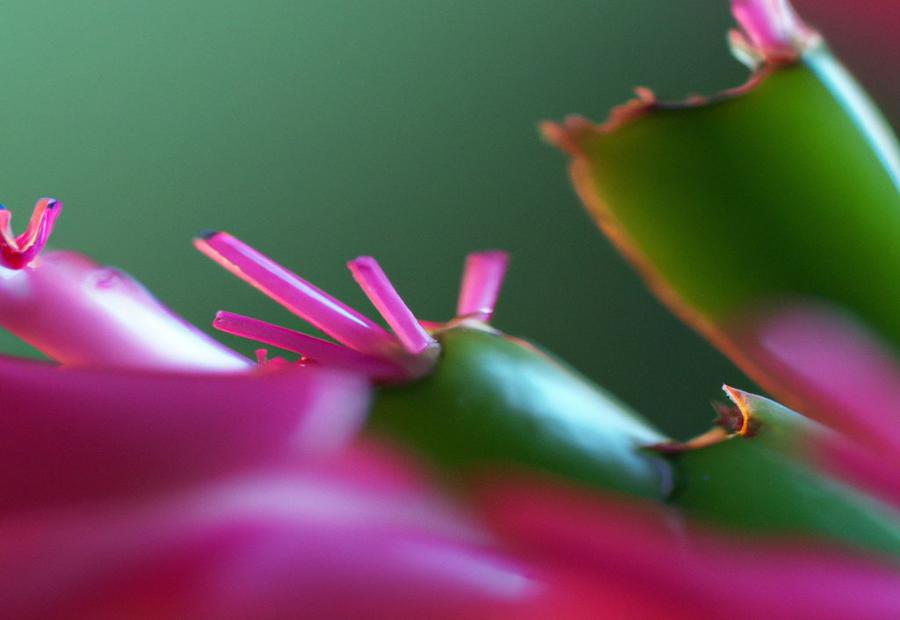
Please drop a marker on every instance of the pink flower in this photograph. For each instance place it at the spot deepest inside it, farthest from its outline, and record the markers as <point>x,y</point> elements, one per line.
<point>618,559</point>
<point>838,372</point>
<point>175,480</point>
<point>159,474</point>
<point>80,314</point>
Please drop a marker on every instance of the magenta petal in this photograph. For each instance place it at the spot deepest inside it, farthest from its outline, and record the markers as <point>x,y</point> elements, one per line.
<point>318,350</point>
<point>81,314</point>
<point>874,470</point>
<point>310,303</point>
<point>837,372</point>
<point>69,435</point>
<point>312,545</point>
<point>650,556</point>
<point>378,288</point>
<point>834,367</point>
<point>482,279</point>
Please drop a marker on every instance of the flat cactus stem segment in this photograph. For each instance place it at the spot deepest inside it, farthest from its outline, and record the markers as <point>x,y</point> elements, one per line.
<point>770,482</point>
<point>496,402</point>
<point>784,188</point>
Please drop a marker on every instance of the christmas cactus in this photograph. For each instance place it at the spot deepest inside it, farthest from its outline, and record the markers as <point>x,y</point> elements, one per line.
<point>448,470</point>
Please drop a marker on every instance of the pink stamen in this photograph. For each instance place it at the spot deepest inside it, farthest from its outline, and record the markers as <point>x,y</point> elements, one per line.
<point>316,349</point>
<point>378,288</point>
<point>297,295</point>
<point>18,252</point>
<point>772,28</point>
<point>482,280</point>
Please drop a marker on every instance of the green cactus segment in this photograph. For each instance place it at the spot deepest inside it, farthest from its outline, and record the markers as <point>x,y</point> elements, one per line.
<point>763,483</point>
<point>785,188</point>
<point>495,401</point>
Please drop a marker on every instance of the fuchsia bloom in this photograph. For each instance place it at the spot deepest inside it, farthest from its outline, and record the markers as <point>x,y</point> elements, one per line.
<point>80,313</point>
<point>838,372</point>
<point>163,476</point>
<point>622,560</point>
<point>154,483</point>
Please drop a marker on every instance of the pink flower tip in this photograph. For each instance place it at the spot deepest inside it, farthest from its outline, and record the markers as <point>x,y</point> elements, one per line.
<point>482,279</point>
<point>771,32</point>
<point>17,252</point>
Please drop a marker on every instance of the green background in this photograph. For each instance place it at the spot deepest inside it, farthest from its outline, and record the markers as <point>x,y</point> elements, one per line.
<point>321,130</point>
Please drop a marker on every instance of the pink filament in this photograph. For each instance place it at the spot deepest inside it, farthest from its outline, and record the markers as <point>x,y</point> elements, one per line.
<point>296,294</point>
<point>482,279</point>
<point>771,25</point>
<point>316,349</point>
<point>378,288</point>
<point>18,252</point>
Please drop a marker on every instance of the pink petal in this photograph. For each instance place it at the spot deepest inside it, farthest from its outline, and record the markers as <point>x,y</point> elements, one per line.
<point>318,350</point>
<point>70,435</point>
<point>79,313</point>
<point>378,288</point>
<point>836,371</point>
<point>651,557</point>
<point>833,367</point>
<point>482,279</point>
<point>871,469</point>
<point>312,304</point>
<point>266,546</point>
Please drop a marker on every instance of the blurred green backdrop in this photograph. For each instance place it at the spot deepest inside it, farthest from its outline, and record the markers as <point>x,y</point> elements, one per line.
<point>321,130</point>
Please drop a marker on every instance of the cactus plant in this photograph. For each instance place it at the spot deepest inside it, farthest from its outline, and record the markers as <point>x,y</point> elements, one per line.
<point>448,470</point>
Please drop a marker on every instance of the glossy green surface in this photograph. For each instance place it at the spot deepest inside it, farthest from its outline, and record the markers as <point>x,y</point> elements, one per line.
<point>786,190</point>
<point>493,401</point>
<point>763,484</point>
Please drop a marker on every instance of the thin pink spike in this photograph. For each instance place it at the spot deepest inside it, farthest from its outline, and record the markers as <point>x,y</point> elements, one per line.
<point>378,288</point>
<point>316,349</point>
<point>482,279</point>
<point>18,252</point>
<point>315,306</point>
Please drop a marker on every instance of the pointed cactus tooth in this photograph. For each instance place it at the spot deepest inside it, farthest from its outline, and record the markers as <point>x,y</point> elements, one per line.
<point>787,187</point>
<point>770,478</point>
